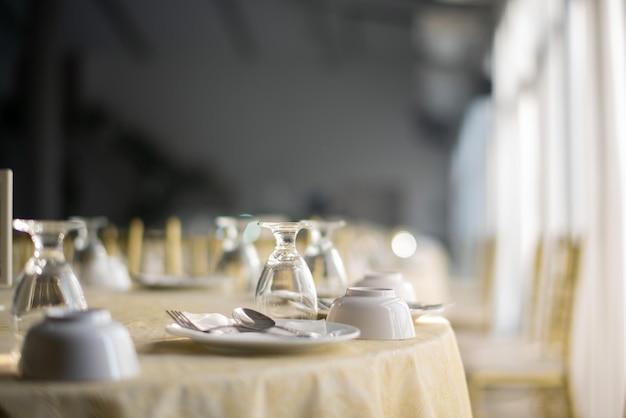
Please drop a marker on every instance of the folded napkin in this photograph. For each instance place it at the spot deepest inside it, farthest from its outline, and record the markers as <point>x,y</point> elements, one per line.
<point>206,321</point>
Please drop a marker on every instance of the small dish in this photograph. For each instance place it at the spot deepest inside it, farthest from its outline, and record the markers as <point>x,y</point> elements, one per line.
<point>377,312</point>
<point>78,345</point>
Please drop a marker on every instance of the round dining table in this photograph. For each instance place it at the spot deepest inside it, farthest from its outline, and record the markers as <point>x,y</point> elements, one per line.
<point>181,377</point>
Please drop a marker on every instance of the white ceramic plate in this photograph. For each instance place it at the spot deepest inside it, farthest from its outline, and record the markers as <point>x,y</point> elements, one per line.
<point>420,309</point>
<point>167,281</point>
<point>254,342</point>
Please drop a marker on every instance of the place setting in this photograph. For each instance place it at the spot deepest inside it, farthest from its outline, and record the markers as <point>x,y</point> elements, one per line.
<point>290,317</point>
<point>285,290</point>
<point>250,331</point>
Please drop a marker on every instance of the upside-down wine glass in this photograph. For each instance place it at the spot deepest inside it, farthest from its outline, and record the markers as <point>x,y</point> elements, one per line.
<point>286,288</point>
<point>95,267</point>
<point>236,257</point>
<point>323,259</point>
<point>47,280</point>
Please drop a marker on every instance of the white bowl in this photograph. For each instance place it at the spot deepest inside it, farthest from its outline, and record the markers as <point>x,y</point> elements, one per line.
<point>392,280</point>
<point>377,312</point>
<point>78,345</point>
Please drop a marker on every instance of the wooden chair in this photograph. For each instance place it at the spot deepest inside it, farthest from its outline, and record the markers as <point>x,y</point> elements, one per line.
<point>473,300</point>
<point>478,342</point>
<point>170,244</point>
<point>542,367</point>
<point>487,272</point>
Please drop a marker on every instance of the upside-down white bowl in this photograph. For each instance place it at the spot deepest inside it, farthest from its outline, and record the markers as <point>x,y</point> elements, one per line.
<point>78,345</point>
<point>377,312</point>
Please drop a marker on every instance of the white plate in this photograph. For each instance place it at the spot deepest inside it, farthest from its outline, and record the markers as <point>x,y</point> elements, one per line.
<point>255,342</point>
<point>420,309</point>
<point>167,281</point>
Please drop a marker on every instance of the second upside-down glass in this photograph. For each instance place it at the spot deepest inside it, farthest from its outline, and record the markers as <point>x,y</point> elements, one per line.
<point>323,259</point>
<point>95,267</point>
<point>286,288</point>
<point>236,257</point>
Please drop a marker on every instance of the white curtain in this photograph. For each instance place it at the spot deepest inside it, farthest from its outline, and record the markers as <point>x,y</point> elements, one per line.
<point>515,155</point>
<point>557,164</point>
<point>598,200</point>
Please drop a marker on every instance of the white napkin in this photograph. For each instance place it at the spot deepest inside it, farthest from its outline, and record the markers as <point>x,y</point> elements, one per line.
<point>206,321</point>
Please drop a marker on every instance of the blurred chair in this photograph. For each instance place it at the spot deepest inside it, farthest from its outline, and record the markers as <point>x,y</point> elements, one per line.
<point>473,324</point>
<point>539,363</point>
<point>135,246</point>
<point>155,251</point>
<point>170,255</point>
<point>22,251</point>
<point>473,298</point>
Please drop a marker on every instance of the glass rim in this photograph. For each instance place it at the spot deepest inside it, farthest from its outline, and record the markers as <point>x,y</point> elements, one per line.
<point>284,226</point>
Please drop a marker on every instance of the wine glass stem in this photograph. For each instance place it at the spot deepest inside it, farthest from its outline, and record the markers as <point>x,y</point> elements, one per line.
<point>47,245</point>
<point>285,241</point>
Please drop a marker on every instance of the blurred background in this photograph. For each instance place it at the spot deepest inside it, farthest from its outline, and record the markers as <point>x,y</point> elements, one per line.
<point>149,109</point>
<point>472,123</point>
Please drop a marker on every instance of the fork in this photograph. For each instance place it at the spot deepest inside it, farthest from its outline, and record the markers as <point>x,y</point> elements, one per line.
<point>182,320</point>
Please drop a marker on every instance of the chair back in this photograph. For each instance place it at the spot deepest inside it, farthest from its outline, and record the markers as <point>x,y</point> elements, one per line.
<point>533,317</point>
<point>562,291</point>
<point>487,256</point>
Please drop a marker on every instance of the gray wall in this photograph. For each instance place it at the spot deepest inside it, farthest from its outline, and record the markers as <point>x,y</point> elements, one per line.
<point>283,126</point>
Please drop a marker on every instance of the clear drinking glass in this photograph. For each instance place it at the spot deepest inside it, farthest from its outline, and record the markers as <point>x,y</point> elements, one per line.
<point>323,259</point>
<point>236,257</point>
<point>47,280</point>
<point>95,267</point>
<point>286,288</point>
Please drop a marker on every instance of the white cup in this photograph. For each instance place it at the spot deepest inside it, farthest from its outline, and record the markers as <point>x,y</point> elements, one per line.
<point>392,280</point>
<point>377,312</point>
<point>78,345</point>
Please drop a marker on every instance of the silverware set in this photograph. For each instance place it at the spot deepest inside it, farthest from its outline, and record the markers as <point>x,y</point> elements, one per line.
<point>182,320</point>
<point>247,320</point>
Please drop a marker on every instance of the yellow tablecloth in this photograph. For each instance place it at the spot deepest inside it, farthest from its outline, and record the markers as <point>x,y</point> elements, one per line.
<point>421,377</point>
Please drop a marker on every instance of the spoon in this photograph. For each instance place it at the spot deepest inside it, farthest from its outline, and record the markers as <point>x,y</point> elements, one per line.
<point>250,318</point>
